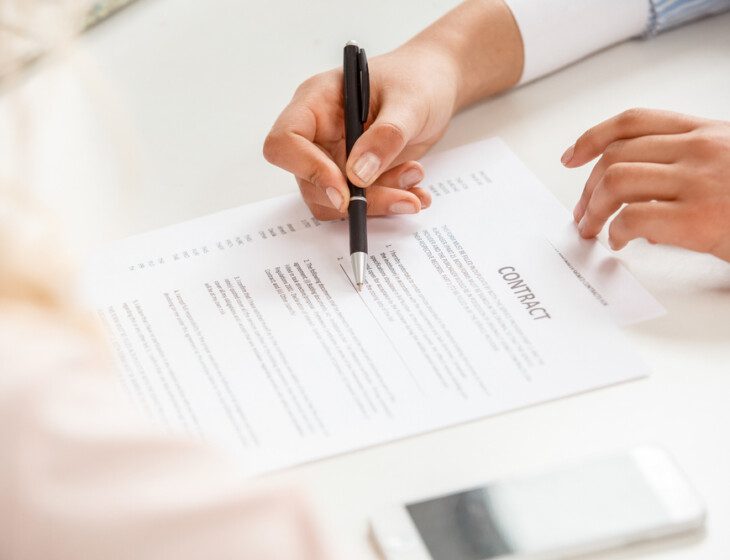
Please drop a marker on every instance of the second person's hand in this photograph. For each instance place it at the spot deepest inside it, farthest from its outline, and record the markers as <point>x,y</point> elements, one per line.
<point>664,175</point>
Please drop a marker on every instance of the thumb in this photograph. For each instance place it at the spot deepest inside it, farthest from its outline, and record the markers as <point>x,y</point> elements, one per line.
<point>374,152</point>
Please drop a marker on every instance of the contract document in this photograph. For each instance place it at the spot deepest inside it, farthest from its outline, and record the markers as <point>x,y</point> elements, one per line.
<point>244,327</point>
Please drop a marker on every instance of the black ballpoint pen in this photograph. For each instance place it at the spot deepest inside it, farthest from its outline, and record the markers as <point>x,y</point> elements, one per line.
<point>357,103</point>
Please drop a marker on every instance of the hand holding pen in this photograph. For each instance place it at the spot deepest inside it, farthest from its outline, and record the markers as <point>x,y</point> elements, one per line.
<point>308,137</point>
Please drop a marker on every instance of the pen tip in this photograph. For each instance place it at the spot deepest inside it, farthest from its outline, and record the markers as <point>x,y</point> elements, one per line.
<point>359,286</point>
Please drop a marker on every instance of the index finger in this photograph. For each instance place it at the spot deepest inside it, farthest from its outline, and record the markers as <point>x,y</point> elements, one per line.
<point>629,124</point>
<point>290,145</point>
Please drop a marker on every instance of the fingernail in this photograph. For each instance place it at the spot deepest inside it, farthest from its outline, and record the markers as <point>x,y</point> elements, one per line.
<point>612,244</point>
<point>568,155</point>
<point>582,224</point>
<point>410,178</point>
<point>403,207</point>
<point>335,197</point>
<point>366,167</point>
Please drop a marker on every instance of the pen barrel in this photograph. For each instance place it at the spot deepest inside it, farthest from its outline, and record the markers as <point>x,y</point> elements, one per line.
<point>358,223</point>
<point>357,209</point>
<point>353,101</point>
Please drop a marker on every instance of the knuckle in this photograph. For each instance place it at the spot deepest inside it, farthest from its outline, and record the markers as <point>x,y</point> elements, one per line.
<point>318,212</point>
<point>306,85</point>
<point>312,83</point>
<point>391,133</point>
<point>614,152</point>
<point>702,144</point>
<point>314,176</point>
<point>272,147</point>
<point>631,117</point>
<point>613,178</point>
<point>627,221</point>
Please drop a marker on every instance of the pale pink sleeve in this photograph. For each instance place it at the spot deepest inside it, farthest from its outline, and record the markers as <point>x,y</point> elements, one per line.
<point>82,477</point>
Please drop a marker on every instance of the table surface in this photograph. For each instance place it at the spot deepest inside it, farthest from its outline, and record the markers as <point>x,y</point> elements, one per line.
<point>160,116</point>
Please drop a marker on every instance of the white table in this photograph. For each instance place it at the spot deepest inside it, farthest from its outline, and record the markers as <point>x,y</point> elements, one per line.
<point>193,88</point>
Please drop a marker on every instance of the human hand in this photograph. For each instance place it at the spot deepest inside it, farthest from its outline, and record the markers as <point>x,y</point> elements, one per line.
<point>672,172</point>
<point>413,96</point>
<point>414,91</point>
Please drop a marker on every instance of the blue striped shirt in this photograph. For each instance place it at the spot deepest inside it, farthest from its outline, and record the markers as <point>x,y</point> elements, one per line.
<point>666,14</point>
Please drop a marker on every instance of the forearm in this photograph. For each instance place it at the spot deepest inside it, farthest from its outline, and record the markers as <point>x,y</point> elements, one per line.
<point>482,40</point>
<point>496,44</point>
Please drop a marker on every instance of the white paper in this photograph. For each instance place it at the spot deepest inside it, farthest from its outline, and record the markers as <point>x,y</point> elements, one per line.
<point>244,327</point>
<point>530,206</point>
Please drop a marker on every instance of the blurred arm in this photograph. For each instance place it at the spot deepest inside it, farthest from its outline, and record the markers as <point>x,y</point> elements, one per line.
<point>82,476</point>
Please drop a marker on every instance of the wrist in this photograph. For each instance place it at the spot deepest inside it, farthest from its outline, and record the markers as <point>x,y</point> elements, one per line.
<point>442,74</point>
<point>481,43</point>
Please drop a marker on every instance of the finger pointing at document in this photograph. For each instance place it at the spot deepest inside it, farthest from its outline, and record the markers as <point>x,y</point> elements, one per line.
<point>666,174</point>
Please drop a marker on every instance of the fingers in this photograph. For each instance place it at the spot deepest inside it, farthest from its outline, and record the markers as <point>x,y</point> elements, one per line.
<point>625,183</point>
<point>403,176</point>
<point>656,221</point>
<point>313,194</point>
<point>289,145</point>
<point>661,172</point>
<point>398,121</point>
<point>629,124</point>
<point>423,196</point>
<point>382,201</point>
<point>656,149</point>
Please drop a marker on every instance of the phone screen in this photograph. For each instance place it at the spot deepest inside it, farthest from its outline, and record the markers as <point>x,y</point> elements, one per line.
<point>602,500</point>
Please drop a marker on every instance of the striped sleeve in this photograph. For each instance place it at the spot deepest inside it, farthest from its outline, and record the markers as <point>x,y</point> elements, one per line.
<point>666,14</point>
<point>556,33</point>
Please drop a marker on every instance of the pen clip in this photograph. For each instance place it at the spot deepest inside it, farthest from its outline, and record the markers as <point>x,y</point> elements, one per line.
<point>362,62</point>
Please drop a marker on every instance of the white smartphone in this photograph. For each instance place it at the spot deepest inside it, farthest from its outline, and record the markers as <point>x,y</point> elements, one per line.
<point>590,507</point>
